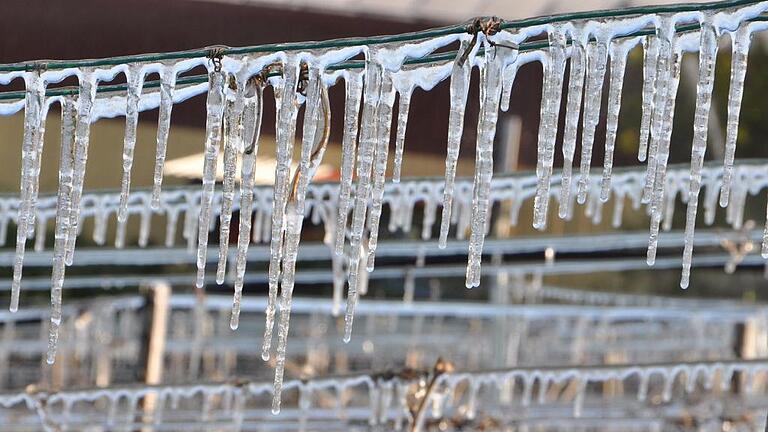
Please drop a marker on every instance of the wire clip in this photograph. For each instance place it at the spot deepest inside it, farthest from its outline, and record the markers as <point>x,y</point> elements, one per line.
<point>215,54</point>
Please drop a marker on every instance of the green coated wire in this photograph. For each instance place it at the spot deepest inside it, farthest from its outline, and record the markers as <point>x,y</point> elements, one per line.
<point>433,58</point>
<point>347,42</point>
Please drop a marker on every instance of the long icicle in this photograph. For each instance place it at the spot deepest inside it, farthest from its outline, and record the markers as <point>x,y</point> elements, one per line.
<point>662,154</point>
<point>384,117</point>
<point>167,86</point>
<point>353,82</point>
<point>665,32</point>
<point>403,108</point>
<point>365,153</point>
<point>650,59</point>
<point>35,180</point>
<point>740,42</point>
<point>460,76</point>
<point>552,89</point>
<point>572,111</point>
<point>85,100</point>
<point>33,108</point>
<point>215,111</point>
<point>233,126</point>
<point>286,132</point>
<point>252,121</point>
<point>490,93</point>
<point>597,57</point>
<point>229,164</point>
<point>135,78</point>
<point>63,207</point>
<point>707,56</point>
<point>317,116</point>
<point>618,54</point>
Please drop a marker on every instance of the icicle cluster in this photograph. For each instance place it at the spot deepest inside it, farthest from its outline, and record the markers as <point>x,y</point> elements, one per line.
<point>384,401</point>
<point>595,50</point>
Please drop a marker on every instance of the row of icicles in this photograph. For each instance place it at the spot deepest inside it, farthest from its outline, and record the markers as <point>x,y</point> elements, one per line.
<point>234,107</point>
<point>392,401</point>
<point>179,206</point>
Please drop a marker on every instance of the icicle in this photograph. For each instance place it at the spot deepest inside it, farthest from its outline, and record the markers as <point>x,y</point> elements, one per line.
<point>710,203</point>
<point>764,250</point>
<point>40,141</point>
<point>167,86</point>
<point>337,264</point>
<point>313,135</point>
<point>233,127</point>
<point>618,52</point>
<point>572,111</point>
<point>507,81</point>
<point>172,218</point>
<point>120,235</point>
<point>528,382</point>
<point>597,213</point>
<point>404,105</point>
<point>669,209</point>
<point>312,149</point>
<point>460,76</point>
<point>190,221</point>
<point>145,225</point>
<point>618,210</point>
<point>660,141</point>
<point>707,56</point>
<point>363,278</point>
<point>135,78</point>
<point>665,32</point>
<point>430,208</point>
<point>368,135</point>
<point>100,222</point>
<point>408,216</point>
<point>33,107</point>
<point>354,89</point>
<point>85,99</point>
<point>252,120</point>
<point>40,235</point>
<point>258,221</point>
<point>597,56</point>
<point>737,208</point>
<point>63,208</point>
<point>286,131</point>
<point>384,117</point>
<point>552,89</point>
<point>215,110</point>
<point>740,41</point>
<point>490,89</point>
<point>650,59</point>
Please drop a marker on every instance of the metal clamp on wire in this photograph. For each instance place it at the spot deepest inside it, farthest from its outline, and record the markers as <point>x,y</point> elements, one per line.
<point>215,54</point>
<point>39,66</point>
<point>488,26</point>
